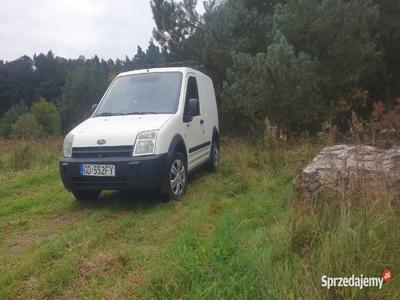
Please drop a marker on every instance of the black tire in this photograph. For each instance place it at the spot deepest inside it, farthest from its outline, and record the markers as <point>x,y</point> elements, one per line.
<point>213,164</point>
<point>176,177</point>
<point>86,195</point>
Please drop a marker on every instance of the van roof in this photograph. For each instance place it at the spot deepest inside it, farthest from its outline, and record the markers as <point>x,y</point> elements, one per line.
<point>183,70</point>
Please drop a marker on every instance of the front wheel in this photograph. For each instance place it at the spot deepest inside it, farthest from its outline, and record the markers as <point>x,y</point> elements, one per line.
<point>213,164</point>
<point>85,195</point>
<point>176,182</point>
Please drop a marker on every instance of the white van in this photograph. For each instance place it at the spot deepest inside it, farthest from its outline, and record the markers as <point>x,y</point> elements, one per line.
<point>151,128</point>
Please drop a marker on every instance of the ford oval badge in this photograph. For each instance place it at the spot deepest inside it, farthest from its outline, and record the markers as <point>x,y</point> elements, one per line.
<point>101,142</point>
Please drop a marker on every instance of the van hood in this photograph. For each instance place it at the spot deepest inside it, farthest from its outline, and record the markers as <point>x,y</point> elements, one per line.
<point>116,130</point>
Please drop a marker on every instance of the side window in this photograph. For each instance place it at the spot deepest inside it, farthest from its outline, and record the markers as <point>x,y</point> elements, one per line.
<point>192,92</point>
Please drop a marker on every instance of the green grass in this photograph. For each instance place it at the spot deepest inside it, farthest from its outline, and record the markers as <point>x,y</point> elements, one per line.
<point>237,234</point>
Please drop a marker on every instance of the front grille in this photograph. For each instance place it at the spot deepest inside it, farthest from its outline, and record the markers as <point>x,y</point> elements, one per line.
<point>100,152</point>
<point>100,182</point>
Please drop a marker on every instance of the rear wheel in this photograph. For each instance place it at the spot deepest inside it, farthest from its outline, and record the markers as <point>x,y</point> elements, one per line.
<point>213,164</point>
<point>85,195</point>
<point>176,181</point>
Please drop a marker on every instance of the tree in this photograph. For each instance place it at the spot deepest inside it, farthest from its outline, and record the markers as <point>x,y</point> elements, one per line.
<point>50,72</point>
<point>47,117</point>
<point>143,59</point>
<point>176,22</point>
<point>226,28</point>
<point>84,87</point>
<point>338,34</point>
<point>322,50</point>
<point>6,98</point>
<point>279,85</point>
<point>385,83</point>
<point>335,37</point>
<point>17,83</point>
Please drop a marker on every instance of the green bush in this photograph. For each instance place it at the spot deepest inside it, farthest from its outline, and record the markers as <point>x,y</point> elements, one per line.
<point>10,117</point>
<point>26,127</point>
<point>47,117</point>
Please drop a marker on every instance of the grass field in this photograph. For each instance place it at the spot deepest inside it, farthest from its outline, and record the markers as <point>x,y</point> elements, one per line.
<point>237,234</point>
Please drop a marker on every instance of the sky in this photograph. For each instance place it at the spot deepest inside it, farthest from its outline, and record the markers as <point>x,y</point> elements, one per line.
<point>70,28</point>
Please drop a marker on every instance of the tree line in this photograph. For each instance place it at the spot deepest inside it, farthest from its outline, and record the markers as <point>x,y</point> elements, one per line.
<point>63,88</point>
<point>298,63</point>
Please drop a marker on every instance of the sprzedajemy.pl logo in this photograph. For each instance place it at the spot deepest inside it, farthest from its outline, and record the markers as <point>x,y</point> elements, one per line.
<point>356,281</point>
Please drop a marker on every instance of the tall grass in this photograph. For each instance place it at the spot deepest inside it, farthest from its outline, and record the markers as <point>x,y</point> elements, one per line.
<point>353,228</point>
<point>241,233</point>
<point>22,155</point>
<point>258,251</point>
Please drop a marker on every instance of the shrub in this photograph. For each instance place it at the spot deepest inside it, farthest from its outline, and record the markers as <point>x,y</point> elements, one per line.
<point>26,127</point>
<point>381,130</point>
<point>47,117</point>
<point>10,117</point>
<point>386,125</point>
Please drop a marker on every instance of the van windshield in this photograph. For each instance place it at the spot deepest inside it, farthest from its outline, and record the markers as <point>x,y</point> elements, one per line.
<point>147,93</point>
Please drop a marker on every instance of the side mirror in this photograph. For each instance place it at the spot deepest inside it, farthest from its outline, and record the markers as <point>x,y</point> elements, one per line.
<point>187,116</point>
<point>92,110</point>
<point>191,110</point>
<point>194,106</point>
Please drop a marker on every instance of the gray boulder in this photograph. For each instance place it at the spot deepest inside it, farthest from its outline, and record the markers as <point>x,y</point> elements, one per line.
<point>336,167</point>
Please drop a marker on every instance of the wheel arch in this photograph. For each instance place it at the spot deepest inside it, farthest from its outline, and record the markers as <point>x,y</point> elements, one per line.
<point>177,144</point>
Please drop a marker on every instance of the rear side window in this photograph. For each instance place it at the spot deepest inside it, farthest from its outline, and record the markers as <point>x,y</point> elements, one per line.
<point>192,92</point>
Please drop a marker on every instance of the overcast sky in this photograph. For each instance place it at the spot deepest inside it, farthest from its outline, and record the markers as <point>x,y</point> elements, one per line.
<point>108,28</point>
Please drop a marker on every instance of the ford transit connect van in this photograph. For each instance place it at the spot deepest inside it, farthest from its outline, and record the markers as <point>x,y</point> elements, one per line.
<point>151,128</point>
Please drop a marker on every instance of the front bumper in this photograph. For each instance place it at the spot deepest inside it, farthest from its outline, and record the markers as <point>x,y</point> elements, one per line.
<point>145,172</point>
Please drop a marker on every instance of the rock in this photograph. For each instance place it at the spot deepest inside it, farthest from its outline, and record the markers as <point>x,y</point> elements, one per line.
<point>337,166</point>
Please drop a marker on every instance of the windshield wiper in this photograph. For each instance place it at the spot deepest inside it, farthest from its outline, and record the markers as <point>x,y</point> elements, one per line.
<point>141,113</point>
<point>107,114</point>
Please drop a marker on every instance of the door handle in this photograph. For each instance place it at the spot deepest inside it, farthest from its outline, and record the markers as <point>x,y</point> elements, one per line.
<point>201,121</point>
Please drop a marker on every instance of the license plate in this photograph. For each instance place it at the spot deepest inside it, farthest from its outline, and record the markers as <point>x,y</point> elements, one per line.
<point>97,170</point>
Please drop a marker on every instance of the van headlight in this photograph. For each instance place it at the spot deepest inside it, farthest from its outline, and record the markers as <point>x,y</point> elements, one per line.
<point>67,147</point>
<point>145,143</point>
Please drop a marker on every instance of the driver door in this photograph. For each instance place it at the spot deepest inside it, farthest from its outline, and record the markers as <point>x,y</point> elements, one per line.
<point>195,139</point>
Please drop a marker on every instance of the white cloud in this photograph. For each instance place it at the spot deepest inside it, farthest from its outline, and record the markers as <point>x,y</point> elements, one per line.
<point>70,28</point>
<point>108,28</point>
